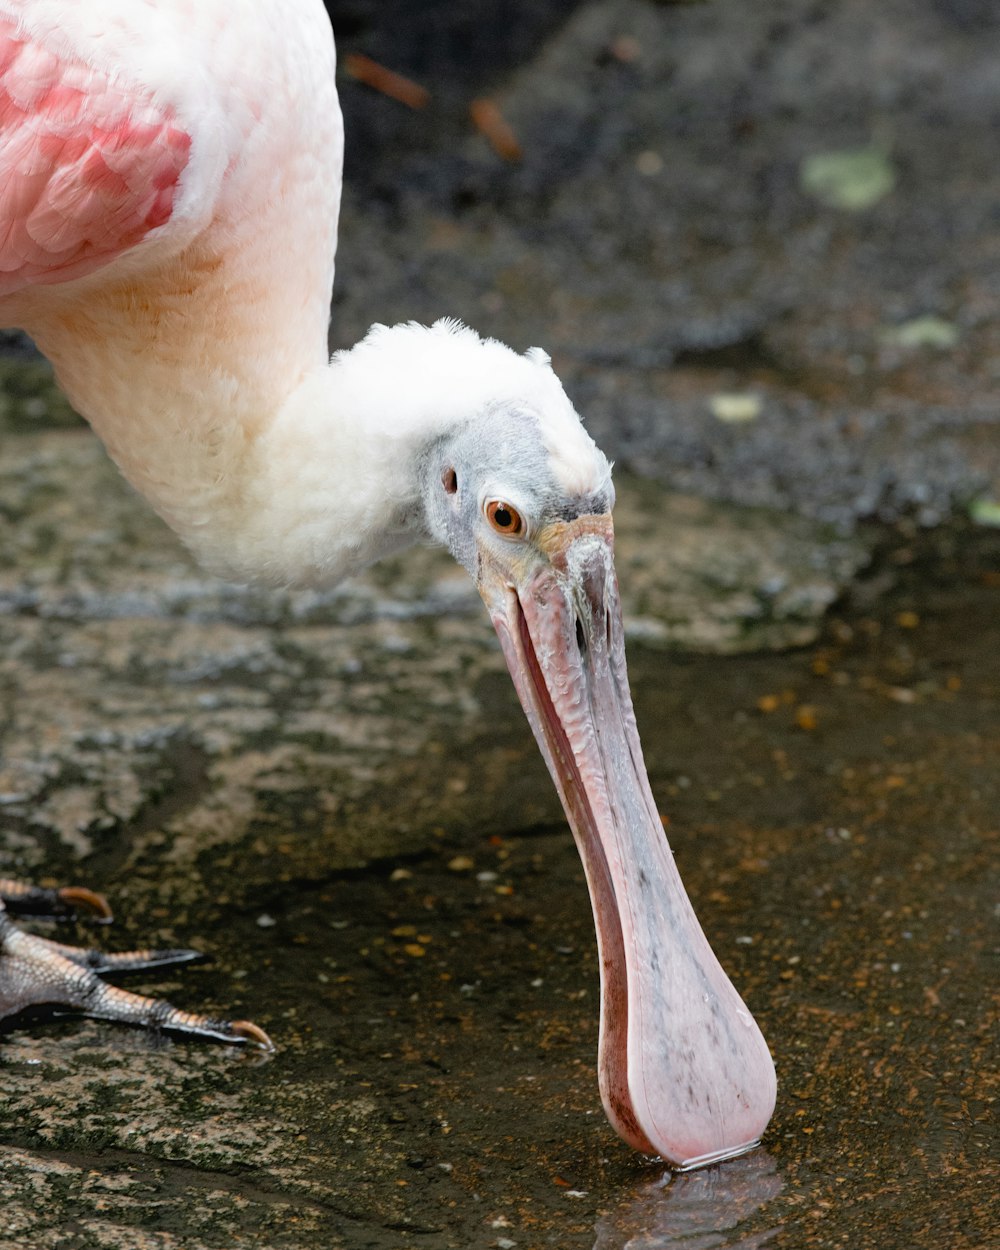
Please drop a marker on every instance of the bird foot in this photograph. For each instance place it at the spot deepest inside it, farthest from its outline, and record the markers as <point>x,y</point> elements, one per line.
<point>37,973</point>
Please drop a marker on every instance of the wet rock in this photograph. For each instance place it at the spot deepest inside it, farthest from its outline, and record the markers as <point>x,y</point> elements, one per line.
<point>203,788</point>
<point>217,721</point>
<point>704,576</point>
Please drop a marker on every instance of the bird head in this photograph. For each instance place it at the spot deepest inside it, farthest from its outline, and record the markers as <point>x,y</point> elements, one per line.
<point>522,498</point>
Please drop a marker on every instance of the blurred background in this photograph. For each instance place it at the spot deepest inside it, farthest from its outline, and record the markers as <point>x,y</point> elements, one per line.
<point>798,201</point>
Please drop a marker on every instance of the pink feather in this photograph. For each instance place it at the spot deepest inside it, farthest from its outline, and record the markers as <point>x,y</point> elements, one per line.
<point>88,173</point>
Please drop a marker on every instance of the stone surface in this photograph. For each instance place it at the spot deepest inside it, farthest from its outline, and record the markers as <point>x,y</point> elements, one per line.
<point>144,694</point>
<point>833,811</point>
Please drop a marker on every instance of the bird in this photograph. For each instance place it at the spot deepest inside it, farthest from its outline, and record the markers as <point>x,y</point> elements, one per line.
<point>170,179</point>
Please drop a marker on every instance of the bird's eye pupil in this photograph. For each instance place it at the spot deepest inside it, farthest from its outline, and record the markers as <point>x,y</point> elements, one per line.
<point>503,518</point>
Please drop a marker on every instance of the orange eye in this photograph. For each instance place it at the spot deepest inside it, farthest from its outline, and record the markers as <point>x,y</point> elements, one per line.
<point>504,518</point>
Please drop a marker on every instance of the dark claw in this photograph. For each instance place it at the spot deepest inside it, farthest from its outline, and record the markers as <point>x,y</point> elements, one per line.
<point>79,896</point>
<point>33,900</point>
<point>253,1033</point>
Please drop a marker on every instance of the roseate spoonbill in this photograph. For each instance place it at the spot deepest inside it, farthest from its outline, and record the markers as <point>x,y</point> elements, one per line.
<point>169,198</point>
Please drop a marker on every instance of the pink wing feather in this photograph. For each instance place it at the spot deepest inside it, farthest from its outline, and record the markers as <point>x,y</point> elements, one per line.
<point>87,167</point>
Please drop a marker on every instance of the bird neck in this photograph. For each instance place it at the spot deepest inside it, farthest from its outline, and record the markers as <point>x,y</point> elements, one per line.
<point>273,463</point>
<point>216,413</point>
<point>323,494</point>
<point>263,485</point>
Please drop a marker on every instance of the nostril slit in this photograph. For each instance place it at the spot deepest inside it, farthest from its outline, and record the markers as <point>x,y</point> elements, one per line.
<point>581,637</point>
